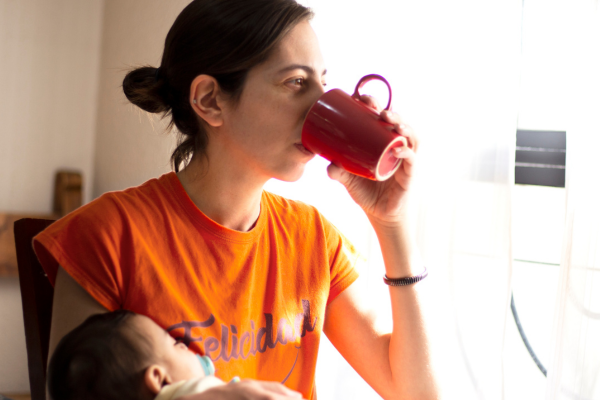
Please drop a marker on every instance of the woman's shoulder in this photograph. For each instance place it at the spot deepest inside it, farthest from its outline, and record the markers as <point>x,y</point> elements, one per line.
<point>283,206</point>
<point>148,194</point>
<point>295,213</point>
<point>111,209</point>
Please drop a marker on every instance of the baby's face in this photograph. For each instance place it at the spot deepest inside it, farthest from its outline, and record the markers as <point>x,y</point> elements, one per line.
<point>179,362</point>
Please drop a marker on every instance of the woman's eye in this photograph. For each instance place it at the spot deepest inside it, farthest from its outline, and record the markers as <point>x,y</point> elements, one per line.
<point>298,82</point>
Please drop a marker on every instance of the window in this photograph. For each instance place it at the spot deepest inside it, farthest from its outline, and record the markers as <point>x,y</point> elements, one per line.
<point>540,158</point>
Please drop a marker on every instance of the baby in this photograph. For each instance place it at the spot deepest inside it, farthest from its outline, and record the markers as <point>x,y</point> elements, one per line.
<point>123,355</point>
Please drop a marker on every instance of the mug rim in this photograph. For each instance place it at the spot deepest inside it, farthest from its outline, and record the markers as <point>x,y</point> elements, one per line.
<point>393,170</point>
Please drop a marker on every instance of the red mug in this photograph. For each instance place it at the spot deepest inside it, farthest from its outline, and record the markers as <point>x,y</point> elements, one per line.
<point>347,132</point>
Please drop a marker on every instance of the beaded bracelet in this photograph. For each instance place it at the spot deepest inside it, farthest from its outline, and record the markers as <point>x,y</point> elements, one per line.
<point>405,281</point>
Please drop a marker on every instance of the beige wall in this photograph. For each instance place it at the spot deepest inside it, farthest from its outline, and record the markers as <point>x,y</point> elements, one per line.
<point>49,60</point>
<point>48,80</point>
<point>62,64</point>
<point>130,146</point>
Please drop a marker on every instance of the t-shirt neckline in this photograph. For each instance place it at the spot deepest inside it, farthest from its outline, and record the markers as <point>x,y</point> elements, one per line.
<point>196,215</point>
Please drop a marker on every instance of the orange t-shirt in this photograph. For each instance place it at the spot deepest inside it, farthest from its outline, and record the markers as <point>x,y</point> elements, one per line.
<point>252,301</point>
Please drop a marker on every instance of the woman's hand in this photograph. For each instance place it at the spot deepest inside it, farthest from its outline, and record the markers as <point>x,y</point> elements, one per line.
<point>384,202</point>
<point>247,389</point>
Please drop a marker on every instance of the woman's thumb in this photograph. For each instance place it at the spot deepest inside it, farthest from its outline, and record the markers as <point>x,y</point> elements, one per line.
<point>338,174</point>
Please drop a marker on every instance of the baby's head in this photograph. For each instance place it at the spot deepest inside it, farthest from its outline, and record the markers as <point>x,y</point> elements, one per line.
<point>118,355</point>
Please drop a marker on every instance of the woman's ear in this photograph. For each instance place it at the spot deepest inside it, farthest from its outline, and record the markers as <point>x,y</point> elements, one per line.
<point>156,377</point>
<point>204,92</point>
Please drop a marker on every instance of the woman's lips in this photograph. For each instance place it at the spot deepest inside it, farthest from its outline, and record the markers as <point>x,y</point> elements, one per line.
<point>303,149</point>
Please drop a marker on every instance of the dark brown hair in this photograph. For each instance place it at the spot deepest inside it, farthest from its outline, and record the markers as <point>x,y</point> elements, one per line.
<point>104,358</point>
<point>220,38</point>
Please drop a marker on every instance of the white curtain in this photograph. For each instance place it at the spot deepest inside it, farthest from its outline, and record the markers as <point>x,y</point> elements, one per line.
<point>574,372</point>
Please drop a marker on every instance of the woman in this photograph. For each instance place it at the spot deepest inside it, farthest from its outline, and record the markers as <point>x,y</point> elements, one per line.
<point>244,276</point>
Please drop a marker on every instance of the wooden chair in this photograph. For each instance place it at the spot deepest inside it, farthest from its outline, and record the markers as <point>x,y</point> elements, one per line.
<point>36,296</point>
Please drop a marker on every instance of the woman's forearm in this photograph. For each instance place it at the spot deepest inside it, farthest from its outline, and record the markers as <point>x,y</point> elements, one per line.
<point>409,352</point>
<point>70,307</point>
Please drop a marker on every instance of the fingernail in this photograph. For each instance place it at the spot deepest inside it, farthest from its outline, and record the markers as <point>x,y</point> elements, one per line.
<point>235,379</point>
<point>397,151</point>
<point>402,126</point>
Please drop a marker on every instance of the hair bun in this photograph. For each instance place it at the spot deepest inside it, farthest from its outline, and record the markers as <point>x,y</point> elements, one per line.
<point>143,89</point>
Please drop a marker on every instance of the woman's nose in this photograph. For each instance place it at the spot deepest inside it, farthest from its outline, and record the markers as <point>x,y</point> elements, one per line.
<point>319,90</point>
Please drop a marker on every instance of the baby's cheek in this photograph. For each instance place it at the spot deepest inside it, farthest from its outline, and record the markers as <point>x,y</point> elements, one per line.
<point>193,367</point>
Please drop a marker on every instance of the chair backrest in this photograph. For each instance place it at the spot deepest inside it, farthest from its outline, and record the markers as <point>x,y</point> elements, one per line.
<point>36,296</point>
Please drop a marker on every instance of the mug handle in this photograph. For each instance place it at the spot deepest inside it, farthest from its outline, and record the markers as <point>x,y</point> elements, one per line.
<point>371,77</point>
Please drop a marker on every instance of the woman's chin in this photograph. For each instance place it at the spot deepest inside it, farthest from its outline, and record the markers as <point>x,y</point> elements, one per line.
<point>291,175</point>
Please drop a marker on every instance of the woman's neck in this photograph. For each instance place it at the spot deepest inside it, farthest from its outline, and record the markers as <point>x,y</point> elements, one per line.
<point>228,195</point>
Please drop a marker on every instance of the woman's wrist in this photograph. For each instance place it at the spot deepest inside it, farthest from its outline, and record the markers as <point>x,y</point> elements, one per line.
<point>394,230</point>
<point>400,256</point>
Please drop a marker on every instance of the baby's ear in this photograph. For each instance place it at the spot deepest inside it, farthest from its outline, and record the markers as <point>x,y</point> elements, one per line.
<point>156,377</point>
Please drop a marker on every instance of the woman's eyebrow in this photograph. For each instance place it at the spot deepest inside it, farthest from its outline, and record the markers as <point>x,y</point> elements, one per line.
<point>306,68</point>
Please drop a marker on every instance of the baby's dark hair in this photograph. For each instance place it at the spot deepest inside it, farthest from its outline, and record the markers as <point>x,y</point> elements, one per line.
<point>103,358</point>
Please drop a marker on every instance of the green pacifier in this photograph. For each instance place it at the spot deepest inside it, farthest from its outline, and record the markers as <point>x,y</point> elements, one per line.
<point>207,364</point>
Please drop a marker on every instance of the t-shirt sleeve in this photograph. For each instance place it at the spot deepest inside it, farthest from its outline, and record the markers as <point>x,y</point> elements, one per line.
<point>343,260</point>
<point>87,244</point>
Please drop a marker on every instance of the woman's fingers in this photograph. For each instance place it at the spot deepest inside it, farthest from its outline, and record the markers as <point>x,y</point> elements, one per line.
<point>394,119</point>
<point>401,128</point>
<point>278,388</point>
<point>338,174</point>
<point>247,389</point>
<point>408,157</point>
<point>371,102</point>
<point>407,169</point>
<point>273,390</point>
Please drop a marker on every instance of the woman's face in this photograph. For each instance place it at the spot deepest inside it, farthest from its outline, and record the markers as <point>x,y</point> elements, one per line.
<point>263,130</point>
